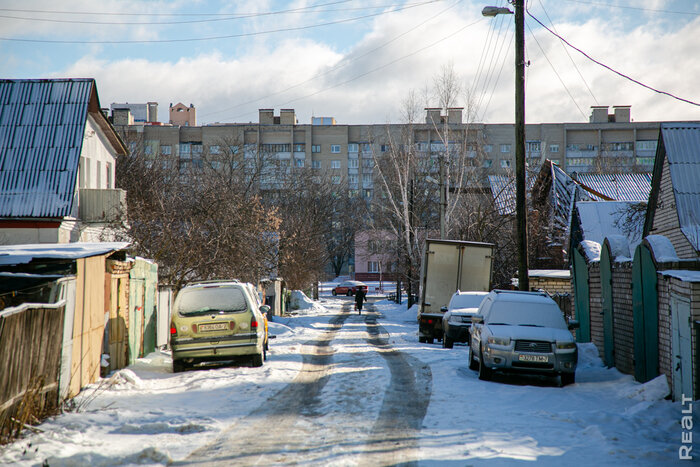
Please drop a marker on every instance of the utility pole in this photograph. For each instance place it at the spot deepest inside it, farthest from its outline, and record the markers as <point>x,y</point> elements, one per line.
<point>520,195</point>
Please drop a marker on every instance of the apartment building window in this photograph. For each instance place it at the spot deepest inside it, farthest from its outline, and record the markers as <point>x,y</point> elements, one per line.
<point>300,147</point>
<point>384,147</point>
<point>505,163</point>
<point>315,164</point>
<point>352,179</point>
<point>579,161</point>
<point>367,163</point>
<point>298,162</point>
<point>148,150</point>
<point>488,148</point>
<point>214,149</point>
<point>533,146</point>
<point>274,147</point>
<point>166,150</point>
<point>353,147</point>
<point>216,165</point>
<point>185,150</point>
<point>646,145</point>
<point>554,148</point>
<point>197,149</point>
<point>353,193</point>
<point>335,148</point>
<point>366,180</point>
<point>556,161</point>
<point>372,266</point>
<point>645,160</point>
<point>353,163</point>
<point>367,194</point>
<point>487,163</point>
<point>366,147</point>
<point>335,179</point>
<point>234,149</point>
<point>505,148</point>
<point>335,164</point>
<point>315,148</point>
<point>626,146</point>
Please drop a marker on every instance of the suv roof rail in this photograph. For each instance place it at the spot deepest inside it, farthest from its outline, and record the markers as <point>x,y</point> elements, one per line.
<point>534,292</point>
<point>211,281</point>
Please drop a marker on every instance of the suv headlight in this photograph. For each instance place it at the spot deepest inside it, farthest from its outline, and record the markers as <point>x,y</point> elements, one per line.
<point>495,340</point>
<point>566,345</point>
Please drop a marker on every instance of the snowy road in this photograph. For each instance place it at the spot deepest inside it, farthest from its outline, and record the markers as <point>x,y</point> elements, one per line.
<point>346,389</point>
<point>291,427</point>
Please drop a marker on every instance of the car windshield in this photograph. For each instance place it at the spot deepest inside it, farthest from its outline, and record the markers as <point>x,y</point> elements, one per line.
<point>466,301</point>
<point>203,300</point>
<point>526,314</point>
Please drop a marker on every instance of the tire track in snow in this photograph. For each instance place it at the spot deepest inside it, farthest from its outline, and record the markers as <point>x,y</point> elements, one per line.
<point>395,435</point>
<point>275,432</point>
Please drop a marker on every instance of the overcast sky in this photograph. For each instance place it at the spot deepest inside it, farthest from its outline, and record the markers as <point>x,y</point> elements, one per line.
<point>357,60</point>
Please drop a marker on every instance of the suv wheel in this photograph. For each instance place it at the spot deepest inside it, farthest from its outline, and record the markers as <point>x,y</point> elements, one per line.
<point>485,373</point>
<point>349,294</point>
<point>568,378</point>
<point>473,365</point>
<point>421,339</point>
<point>334,292</point>
<point>258,359</point>
<point>447,343</point>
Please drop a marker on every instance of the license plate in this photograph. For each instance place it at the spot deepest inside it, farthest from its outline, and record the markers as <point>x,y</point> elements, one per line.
<point>213,327</point>
<point>533,358</point>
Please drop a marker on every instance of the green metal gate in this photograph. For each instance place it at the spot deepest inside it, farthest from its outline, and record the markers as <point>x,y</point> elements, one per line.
<point>581,297</point>
<point>646,315</point>
<point>606,292</point>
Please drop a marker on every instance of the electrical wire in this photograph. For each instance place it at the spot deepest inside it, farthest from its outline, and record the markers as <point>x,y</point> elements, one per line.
<point>498,77</point>
<point>555,72</point>
<point>652,10</point>
<point>361,75</point>
<point>340,66</point>
<point>612,69</point>
<point>569,55</point>
<point>225,17</point>
<point>229,36</point>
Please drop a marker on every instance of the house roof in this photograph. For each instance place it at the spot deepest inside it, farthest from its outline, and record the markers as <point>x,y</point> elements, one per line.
<point>679,146</point>
<point>620,187</point>
<point>42,124</point>
<point>22,254</point>
<point>599,220</point>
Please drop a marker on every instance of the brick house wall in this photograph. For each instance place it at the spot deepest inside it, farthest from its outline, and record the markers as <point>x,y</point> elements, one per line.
<point>623,317</point>
<point>596,307</point>
<point>668,286</point>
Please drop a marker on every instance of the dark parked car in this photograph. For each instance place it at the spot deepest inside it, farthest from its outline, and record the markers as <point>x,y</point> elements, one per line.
<point>349,288</point>
<point>458,317</point>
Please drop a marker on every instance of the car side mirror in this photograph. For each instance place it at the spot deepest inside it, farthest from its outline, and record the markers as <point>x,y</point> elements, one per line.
<point>573,324</point>
<point>443,309</point>
<point>265,309</point>
<point>477,319</point>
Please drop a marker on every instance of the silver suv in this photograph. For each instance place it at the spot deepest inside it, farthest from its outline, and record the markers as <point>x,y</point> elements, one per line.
<point>522,332</point>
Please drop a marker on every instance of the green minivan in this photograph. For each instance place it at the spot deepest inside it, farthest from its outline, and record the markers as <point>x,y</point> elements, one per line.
<point>216,320</point>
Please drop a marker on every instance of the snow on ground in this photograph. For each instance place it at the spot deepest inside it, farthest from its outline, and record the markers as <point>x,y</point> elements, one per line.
<point>147,415</point>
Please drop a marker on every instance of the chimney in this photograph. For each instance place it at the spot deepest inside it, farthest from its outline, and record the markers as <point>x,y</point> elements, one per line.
<point>599,114</point>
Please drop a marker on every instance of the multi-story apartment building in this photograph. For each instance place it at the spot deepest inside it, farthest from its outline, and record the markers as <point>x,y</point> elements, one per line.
<point>609,142</point>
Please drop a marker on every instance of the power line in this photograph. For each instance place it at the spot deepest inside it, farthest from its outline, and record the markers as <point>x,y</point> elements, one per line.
<point>223,17</point>
<point>343,65</point>
<point>361,75</point>
<point>612,69</point>
<point>651,10</point>
<point>569,55</point>
<point>229,36</point>
<point>556,73</point>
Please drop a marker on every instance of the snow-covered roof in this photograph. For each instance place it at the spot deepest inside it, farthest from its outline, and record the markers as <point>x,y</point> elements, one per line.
<point>602,219</point>
<point>551,273</point>
<point>661,248</point>
<point>590,249</point>
<point>682,274</point>
<point>619,247</point>
<point>22,254</point>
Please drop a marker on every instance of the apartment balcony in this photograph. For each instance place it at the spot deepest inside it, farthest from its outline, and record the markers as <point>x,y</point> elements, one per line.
<point>581,153</point>
<point>102,205</point>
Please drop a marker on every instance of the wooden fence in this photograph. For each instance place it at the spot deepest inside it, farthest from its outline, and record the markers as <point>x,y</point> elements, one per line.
<point>30,361</point>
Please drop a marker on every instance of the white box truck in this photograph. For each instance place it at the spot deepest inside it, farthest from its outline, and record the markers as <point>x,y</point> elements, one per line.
<point>449,266</point>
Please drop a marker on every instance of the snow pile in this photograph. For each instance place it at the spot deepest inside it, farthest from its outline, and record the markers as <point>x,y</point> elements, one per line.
<point>654,390</point>
<point>124,379</point>
<point>591,249</point>
<point>300,302</point>
<point>588,356</point>
<point>662,248</point>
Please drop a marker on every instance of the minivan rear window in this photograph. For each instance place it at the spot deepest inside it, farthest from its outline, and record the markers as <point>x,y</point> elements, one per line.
<point>205,300</point>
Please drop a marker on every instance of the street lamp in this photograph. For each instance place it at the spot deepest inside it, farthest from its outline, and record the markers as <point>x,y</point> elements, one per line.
<point>520,194</point>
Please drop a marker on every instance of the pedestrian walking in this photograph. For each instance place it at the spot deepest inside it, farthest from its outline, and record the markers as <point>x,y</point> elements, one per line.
<point>360,297</point>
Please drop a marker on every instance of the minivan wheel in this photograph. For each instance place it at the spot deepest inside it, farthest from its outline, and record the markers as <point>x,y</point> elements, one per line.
<point>178,365</point>
<point>447,343</point>
<point>485,373</point>
<point>349,293</point>
<point>258,359</point>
